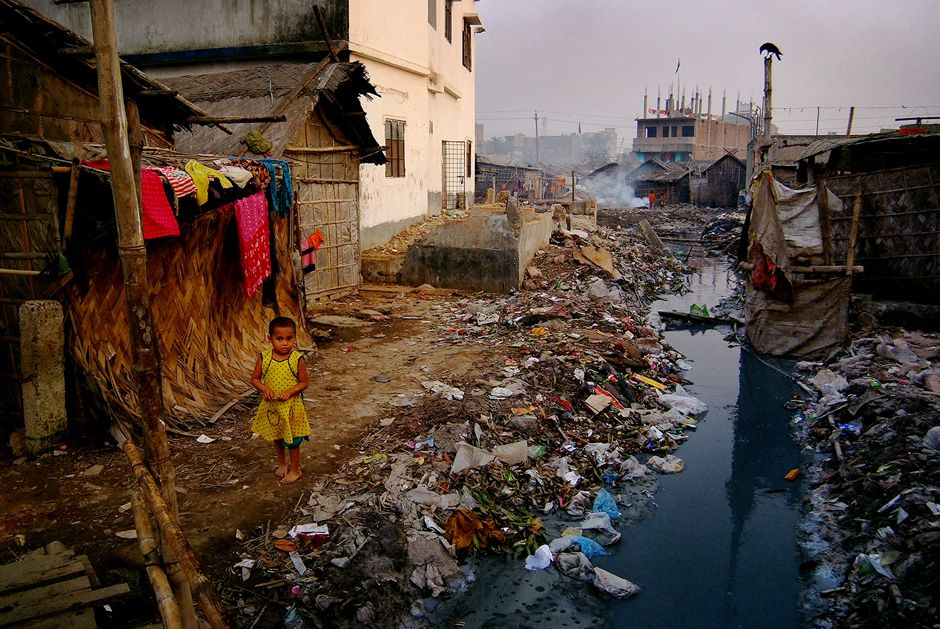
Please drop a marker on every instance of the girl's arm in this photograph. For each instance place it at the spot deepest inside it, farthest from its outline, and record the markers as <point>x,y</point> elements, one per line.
<point>265,390</point>
<point>303,381</point>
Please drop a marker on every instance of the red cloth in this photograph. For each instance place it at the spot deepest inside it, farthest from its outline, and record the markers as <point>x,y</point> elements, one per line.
<point>158,217</point>
<point>251,214</point>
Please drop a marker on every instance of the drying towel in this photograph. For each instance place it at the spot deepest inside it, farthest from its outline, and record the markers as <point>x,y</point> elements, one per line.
<point>251,214</point>
<point>180,180</point>
<point>158,218</point>
<point>201,175</point>
<point>280,194</point>
<point>240,176</point>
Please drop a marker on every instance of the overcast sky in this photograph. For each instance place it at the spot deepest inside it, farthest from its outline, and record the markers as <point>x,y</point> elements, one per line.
<point>589,61</point>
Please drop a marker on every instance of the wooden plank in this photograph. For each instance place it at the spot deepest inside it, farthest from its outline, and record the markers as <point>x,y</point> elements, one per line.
<point>64,602</point>
<point>79,619</point>
<point>853,232</point>
<point>9,602</point>
<point>22,574</point>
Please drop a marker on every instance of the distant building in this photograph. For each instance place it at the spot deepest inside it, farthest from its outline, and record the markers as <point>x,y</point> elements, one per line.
<point>683,133</point>
<point>593,148</point>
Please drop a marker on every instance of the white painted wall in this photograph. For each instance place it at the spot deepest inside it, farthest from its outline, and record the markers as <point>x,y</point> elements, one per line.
<point>422,80</point>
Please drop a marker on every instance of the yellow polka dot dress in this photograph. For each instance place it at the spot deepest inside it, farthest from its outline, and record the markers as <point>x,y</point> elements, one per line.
<point>285,420</point>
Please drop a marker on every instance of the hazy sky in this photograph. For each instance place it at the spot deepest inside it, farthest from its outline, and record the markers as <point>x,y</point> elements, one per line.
<point>589,61</point>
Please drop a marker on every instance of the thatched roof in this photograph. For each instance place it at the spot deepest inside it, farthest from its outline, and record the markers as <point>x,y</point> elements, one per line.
<point>49,41</point>
<point>263,90</point>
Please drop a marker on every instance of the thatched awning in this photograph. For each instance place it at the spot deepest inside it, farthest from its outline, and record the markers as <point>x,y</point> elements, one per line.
<point>264,89</point>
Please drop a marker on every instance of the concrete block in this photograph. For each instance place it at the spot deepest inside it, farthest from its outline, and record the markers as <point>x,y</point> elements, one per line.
<point>42,351</point>
<point>382,268</point>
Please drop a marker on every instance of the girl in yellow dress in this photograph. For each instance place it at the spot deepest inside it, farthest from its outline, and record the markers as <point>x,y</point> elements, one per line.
<point>281,375</point>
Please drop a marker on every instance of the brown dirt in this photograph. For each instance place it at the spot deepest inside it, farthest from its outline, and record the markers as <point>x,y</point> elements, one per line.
<point>229,484</point>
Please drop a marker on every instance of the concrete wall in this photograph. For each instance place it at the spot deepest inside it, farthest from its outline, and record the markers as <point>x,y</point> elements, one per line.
<point>422,80</point>
<point>181,25</point>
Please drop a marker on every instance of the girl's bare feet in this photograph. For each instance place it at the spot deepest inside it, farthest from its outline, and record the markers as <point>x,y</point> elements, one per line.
<point>290,477</point>
<point>281,470</point>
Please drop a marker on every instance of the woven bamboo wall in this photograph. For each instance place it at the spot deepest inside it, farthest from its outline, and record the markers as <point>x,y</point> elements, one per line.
<point>328,200</point>
<point>898,239</point>
<point>209,335</point>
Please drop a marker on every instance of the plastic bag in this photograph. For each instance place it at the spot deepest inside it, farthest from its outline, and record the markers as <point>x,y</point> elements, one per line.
<point>540,560</point>
<point>589,547</point>
<point>605,503</point>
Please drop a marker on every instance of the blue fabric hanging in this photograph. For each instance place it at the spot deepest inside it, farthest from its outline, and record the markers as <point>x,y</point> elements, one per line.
<point>280,194</point>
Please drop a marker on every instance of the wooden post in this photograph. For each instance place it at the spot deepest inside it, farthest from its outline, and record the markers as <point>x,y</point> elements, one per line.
<point>848,130</point>
<point>853,233</point>
<point>147,541</point>
<point>172,535</point>
<point>133,254</point>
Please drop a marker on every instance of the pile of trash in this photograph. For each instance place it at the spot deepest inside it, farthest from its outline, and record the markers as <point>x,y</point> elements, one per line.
<point>874,528</point>
<point>581,399</point>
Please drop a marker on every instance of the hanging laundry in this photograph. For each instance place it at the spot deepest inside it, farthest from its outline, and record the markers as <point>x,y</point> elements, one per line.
<point>239,176</point>
<point>201,175</point>
<point>251,214</point>
<point>260,175</point>
<point>280,194</point>
<point>157,215</point>
<point>308,251</point>
<point>179,180</point>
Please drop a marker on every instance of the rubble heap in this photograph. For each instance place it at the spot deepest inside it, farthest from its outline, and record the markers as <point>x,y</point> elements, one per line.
<point>581,398</point>
<point>874,530</point>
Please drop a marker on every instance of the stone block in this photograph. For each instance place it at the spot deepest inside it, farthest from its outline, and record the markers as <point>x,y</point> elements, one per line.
<point>42,350</point>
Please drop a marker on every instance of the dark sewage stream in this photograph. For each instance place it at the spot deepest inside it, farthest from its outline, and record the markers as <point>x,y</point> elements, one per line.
<point>717,546</point>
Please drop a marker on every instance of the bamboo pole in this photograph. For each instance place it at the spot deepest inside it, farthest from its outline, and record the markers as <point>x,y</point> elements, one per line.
<point>853,233</point>
<point>146,539</point>
<point>172,534</point>
<point>133,254</point>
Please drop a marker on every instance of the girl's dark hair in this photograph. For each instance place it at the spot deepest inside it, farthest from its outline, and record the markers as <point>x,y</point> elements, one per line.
<point>281,322</point>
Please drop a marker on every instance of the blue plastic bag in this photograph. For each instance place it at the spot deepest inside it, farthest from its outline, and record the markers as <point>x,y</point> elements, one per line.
<point>605,503</point>
<point>589,547</point>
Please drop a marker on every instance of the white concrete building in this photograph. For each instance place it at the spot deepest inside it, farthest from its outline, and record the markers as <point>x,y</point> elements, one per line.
<point>420,55</point>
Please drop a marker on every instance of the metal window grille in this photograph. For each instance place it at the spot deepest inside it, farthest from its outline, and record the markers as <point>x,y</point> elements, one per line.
<point>395,151</point>
<point>454,178</point>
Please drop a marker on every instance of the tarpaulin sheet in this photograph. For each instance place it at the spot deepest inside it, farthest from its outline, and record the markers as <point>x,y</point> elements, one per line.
<point>809,318</point>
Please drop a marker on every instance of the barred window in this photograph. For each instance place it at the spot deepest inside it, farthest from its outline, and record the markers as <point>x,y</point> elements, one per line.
<point>395,151</point>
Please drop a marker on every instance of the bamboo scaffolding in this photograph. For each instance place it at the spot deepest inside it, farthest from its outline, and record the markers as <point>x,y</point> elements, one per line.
<point>149,546</point>
<point>172,535</point>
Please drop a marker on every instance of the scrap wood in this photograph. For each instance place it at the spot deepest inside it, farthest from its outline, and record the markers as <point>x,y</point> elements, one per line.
<point>601,258</point>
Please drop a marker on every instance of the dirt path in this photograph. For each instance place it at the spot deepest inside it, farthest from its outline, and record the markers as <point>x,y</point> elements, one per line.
<point>77,495</point>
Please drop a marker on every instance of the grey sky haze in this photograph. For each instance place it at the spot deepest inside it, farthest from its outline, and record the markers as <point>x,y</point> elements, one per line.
<point>588,61</point>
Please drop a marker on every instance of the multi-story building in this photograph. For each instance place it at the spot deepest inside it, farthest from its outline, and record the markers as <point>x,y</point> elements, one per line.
<point>682,134</point>
<point>419,54</point>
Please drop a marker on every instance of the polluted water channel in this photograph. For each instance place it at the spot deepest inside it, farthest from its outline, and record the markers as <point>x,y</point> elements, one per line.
<point>713,546</point>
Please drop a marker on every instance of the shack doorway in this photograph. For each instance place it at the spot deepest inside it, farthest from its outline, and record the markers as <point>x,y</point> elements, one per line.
<point>326,167</point>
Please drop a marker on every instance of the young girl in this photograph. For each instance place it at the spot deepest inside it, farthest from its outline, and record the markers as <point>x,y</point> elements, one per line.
<point>281,375</point>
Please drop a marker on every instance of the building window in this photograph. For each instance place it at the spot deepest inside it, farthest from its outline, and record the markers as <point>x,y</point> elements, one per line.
<point>651,132</point>
<point>395,148</point>
<point>448,22</point>
<point>467,41</point>
<point>665,132</point>
<point>432,13</point>
<point>688,131</point>
<point>675,132</point>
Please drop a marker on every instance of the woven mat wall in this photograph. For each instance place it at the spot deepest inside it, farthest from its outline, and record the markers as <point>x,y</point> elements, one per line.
<point>209,335</point>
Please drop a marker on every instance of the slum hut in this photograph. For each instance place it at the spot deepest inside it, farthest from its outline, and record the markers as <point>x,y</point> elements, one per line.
<point>54,227</point>
<point>723,179</point>
<point>666,179</point>
<point>889,187</point>
<point>504,174</point>
<point>797,295</point>
<point>324,138</point>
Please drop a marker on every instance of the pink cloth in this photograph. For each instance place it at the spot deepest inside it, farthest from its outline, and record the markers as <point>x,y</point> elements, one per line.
<point>251,214</point>
<point>158,217</point>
